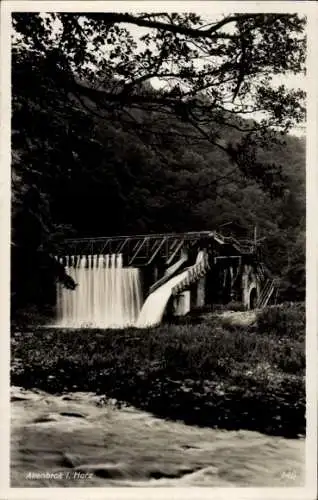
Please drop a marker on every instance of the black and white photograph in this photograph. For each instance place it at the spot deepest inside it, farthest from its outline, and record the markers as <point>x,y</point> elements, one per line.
<point>158,283</point>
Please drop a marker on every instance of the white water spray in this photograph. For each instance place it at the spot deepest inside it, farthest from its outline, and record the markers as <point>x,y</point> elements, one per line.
<point>154,307</point>
<point>108,295</point>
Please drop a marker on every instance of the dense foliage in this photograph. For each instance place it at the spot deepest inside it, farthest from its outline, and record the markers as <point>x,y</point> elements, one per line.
<point>203,373</point>
<point>97,149</point>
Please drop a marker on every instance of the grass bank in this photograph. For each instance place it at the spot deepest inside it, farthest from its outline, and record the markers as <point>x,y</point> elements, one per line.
<point>208,373</point>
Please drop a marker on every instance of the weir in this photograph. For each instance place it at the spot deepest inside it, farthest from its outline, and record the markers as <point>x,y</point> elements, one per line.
<point>107,295</point>
<point>138,280</point>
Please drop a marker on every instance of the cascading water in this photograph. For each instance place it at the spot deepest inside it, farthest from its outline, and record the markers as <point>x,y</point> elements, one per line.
<point>108,295</point>
<point>154,307</point>
<point>156,303</point>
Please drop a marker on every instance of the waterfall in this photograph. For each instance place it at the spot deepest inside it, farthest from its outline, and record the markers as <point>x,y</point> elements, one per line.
<point>154,307</point>
<point>108,295</point>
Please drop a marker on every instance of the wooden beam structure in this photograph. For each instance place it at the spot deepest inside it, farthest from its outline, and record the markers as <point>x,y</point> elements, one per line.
<point>142,250</point>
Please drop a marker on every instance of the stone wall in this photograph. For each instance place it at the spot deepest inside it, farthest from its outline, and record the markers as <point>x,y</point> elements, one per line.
<point>249,282</point>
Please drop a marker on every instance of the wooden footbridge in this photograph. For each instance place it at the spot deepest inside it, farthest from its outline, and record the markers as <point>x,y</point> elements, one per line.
<point>163,255</point>
<point>143,250</point>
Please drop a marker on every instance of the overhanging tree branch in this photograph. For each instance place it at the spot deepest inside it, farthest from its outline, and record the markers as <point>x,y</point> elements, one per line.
<point>211,32</point>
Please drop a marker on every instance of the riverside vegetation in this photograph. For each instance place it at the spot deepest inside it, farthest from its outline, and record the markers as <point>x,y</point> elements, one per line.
<point>204,371</point>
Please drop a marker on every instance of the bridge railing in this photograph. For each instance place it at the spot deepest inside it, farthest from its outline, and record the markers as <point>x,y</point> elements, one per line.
<point>142,250</point>
<point>195,272</point>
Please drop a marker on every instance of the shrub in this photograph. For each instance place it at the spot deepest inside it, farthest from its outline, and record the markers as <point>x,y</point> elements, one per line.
<point>235,306</point>
<point>31,316</point>
<point>230,306</point>
<point>285,320</point>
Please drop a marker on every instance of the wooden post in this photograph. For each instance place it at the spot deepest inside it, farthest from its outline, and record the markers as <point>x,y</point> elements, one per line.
<point>200,298</point>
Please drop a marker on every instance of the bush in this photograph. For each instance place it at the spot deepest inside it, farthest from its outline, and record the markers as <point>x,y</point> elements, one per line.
<point>230,306</point>
<point>235,306</point>
<point>285,320</point>
<point>32,316</point>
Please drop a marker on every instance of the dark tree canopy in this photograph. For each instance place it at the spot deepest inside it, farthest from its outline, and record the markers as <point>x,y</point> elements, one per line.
<point>207,73</point>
